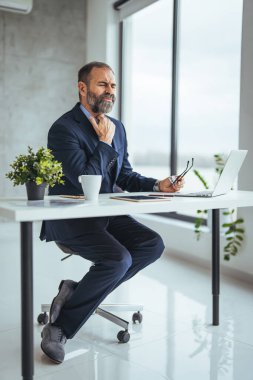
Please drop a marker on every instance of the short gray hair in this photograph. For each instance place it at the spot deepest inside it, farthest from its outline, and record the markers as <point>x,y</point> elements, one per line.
<point>84,72</point>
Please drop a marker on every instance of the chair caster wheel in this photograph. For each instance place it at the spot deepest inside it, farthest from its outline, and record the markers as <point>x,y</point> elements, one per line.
<point>123,336</point>
<point>42,319</point>
<point>137,317</point>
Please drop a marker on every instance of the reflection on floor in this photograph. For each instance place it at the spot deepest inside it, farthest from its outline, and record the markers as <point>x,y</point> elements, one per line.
<point>175,341</point>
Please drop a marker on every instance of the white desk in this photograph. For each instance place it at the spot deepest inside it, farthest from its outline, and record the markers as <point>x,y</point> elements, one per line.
<point>26,212</point>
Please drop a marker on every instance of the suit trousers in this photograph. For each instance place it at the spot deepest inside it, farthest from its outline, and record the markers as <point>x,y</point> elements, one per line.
<point>118,251</point>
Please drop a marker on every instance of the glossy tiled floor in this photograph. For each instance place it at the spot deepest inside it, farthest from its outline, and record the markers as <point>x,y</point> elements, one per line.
<point>175,341</point>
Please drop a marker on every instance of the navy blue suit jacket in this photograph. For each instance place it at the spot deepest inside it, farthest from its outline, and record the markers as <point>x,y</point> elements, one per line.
<point>74,142</point>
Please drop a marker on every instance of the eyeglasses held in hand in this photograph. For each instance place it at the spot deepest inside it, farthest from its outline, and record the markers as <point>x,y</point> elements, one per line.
<point>180,176</point>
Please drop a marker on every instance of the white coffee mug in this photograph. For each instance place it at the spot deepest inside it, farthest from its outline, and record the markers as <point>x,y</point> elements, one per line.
<point>91,185</point>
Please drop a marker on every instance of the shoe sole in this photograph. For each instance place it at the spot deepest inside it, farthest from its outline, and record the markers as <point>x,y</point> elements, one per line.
<point>49,357</point>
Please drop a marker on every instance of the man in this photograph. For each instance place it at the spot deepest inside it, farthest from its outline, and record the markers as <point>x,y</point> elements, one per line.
<point>87,141</point>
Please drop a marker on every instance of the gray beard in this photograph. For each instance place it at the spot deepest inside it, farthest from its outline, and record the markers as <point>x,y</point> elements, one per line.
<point>97,104</point>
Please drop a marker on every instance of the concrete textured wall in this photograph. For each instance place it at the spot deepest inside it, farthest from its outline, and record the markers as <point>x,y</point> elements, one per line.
<point>40,54</point>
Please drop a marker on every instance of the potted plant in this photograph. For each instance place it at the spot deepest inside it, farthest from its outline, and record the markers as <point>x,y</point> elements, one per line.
<point>37,171</point>
<point>233,230</point>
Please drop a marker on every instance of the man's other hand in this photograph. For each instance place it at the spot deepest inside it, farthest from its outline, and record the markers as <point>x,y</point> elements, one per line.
<point>104,128</point>
<point>171,185</point>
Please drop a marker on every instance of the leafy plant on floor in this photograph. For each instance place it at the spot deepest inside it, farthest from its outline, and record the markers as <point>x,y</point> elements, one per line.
<point>234,232</point>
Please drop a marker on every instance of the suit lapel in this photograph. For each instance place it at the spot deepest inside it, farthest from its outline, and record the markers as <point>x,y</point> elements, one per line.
<point>115,145</point>
<point>85,125</point>
<point>88,129</point>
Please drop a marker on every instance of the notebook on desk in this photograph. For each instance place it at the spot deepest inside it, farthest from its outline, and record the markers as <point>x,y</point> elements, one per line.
<point>226,179</point>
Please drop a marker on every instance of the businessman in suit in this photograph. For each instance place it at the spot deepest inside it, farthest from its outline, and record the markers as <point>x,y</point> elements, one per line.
<point>88,141</point>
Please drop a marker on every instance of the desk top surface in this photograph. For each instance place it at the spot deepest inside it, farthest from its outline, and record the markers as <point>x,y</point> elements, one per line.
<point>55,207</point>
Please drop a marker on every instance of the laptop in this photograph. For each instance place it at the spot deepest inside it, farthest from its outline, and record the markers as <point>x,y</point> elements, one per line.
<point>226,179</point>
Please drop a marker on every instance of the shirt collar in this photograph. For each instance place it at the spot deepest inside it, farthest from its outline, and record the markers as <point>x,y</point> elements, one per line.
<point>85,111</point>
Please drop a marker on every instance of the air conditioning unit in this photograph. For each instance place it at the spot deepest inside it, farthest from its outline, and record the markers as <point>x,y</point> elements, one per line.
<point>19,6</point>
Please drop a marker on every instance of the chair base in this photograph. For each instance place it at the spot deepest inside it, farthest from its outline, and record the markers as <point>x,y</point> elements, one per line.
<point>105,311</point>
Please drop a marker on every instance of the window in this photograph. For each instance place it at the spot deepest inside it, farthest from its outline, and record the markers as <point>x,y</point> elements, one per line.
<point>208,85</point>
<point>147,56</point>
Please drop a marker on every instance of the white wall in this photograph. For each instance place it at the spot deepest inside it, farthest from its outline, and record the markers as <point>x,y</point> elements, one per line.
<point>178,236</point>
<point>246,131</point>
<point>102,33</point>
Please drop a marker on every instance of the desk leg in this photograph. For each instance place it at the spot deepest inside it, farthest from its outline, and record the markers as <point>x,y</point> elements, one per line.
<point>27,300</point>
<point>216,264</point>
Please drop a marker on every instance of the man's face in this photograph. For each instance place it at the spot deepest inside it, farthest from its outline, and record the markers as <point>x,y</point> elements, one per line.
<point>99,93</point>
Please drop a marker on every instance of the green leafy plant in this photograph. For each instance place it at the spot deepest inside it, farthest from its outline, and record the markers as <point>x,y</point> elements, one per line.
<point>39,167</point>
<point>234,232</point>
<point>220,163</point>
<point>200,213</point>
<point>234,235</point>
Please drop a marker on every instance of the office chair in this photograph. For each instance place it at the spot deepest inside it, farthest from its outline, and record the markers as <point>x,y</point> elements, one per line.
<point>105,310</point>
